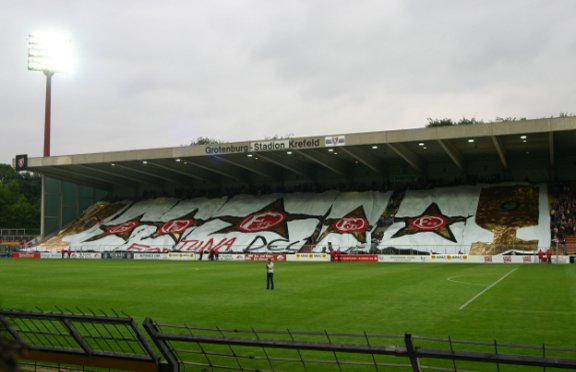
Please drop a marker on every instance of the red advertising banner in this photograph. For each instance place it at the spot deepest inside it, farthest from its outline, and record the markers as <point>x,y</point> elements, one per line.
<point>358,258</point>
<point>265,257</point>
<point>26,255</point>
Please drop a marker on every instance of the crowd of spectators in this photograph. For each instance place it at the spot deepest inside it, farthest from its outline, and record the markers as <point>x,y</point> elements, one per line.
<point>562,212</point>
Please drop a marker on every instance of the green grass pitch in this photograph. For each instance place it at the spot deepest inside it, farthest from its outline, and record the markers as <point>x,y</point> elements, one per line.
<point>521,304</point>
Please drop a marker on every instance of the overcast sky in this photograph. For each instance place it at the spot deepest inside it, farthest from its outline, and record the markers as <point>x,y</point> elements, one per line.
<point>162,73</point>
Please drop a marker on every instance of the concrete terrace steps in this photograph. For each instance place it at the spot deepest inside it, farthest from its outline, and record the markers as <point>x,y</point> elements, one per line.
<point>571,244</point>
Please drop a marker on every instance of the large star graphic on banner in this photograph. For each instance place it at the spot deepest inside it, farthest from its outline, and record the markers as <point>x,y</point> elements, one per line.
<point>176,227</point>
<point>123,230</point>
<point>431,220</point>
<point>355,223</point>
<point>271,218</point>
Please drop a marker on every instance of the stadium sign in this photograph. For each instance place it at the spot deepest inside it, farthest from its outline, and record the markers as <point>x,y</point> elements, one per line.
<point>181,256</point>
<point>306,143</point>
<point>264,257</point>
<point>225,149</point>
<point>309,257</point>
<point>288,144</point>
<point>118,255</point>
<point>269,145</point>
<point>150,256</point>
<point>334,141</point>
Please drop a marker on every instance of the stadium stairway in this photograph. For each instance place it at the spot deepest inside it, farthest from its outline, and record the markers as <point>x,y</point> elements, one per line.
<point>571,244</point>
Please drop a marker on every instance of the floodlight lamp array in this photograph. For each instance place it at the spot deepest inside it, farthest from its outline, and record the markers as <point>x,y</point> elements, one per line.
<point>49,52</point>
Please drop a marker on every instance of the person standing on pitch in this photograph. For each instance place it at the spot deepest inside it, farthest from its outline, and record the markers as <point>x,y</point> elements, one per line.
<point>269,274</point>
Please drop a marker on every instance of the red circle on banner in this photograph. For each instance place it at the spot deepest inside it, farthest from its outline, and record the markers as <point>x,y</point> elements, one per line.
<point>351,224</point>
<point>176,226</point>
<point>261,221</point>
<point>429,222</point>
<point>119,229</point>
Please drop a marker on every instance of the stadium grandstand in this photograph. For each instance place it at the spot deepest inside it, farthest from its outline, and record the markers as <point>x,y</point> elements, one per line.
<point>465,190</point>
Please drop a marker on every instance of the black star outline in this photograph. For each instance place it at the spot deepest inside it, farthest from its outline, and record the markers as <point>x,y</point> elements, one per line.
<point>176,236</point>
<point>433,210</point>
<point>124,235</point>
<point>280,228</point>
<point>358,212</point>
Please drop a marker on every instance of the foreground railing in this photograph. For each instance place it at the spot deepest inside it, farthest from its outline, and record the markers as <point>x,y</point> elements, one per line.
<point>82,340</point>
<point>67,341</point>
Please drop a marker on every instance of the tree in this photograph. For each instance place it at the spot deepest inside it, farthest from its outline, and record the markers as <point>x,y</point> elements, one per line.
<point>19,198</point>
<point>205,141</point>
<point>471,121</point>
<point>433,123</point>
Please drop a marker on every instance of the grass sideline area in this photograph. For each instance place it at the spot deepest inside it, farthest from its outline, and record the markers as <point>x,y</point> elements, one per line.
<point>521,304</point>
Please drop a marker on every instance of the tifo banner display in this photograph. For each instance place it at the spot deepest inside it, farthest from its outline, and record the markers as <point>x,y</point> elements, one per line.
<point>449,221</point>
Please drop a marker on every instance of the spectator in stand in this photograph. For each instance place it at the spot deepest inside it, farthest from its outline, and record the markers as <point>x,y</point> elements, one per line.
<point>562,213</point>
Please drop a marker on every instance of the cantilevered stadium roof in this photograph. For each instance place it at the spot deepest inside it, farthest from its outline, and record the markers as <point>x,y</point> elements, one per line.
<point>305,157</point>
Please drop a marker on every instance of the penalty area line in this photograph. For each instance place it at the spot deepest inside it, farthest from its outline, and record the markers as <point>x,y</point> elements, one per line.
<point>486,289</point>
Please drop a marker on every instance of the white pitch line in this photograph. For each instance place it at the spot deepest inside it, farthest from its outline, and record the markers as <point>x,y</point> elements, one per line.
<point>486,289</point>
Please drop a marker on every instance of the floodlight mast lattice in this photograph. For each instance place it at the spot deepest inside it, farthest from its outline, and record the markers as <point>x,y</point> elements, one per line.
<point>49,53</point>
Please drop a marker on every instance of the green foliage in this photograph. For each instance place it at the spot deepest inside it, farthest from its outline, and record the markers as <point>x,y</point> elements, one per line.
<point>508,118</point>
<point>19,199</point>
<point>433,123</point>
<point>205,141</point>
<point>471,121</point>
<point>280,137</point>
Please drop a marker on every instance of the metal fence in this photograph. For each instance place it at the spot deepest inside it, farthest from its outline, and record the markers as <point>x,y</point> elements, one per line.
<point>92,342</point>
<point>66,339</point>
<point>13,239</point>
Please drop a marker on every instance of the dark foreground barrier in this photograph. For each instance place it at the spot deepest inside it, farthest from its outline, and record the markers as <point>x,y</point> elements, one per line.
<point>57,341</point>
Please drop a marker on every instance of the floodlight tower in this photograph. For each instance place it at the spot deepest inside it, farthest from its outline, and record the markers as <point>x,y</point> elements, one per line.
<point>49,53</point>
